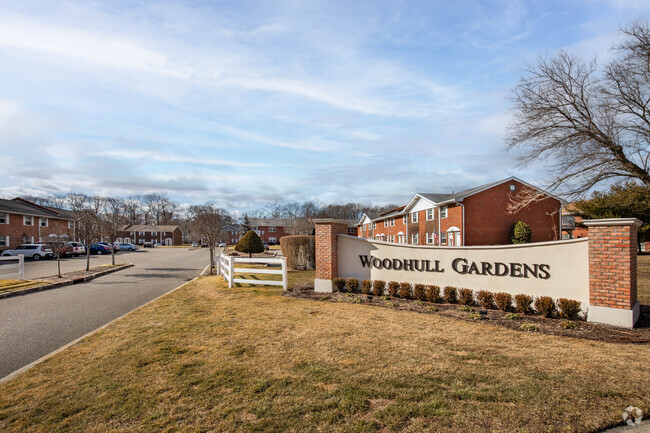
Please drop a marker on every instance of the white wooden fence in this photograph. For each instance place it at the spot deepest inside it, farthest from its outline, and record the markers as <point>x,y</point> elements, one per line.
<point>226,268</point>
<point>14,262</point>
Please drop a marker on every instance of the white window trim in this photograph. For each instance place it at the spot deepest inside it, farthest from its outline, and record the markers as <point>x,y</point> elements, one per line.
<point>70,224</point>
<point>415,239</point>
<point>31,219</point>
<point>6,217</point>
<point>47,222</point>
<point>6,241</point>
<point>271,229</point>
<point>392,238</point>
<point>433,214</point>
<point>443,238</point>
<point>446,212</point>
<point>405,219</point>
<point>385,223</point>
<point>374,225</point>
<point>430,240</point>
<point>392,222</point>
<point>414,217</point>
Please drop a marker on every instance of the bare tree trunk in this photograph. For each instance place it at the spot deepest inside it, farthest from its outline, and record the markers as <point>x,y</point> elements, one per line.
<point>58,263</point>
<point>88,258</point>
<point>113,253</point>
<point>211,259</point>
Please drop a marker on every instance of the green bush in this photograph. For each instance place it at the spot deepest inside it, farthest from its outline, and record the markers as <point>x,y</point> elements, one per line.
<point>250,243</point>
<point>419,292</point>
<point>567,324</point>
<point>404,291</point>
<point>485,299</point>
<point>503,301</point>
<point>523,303</point>
<point>352,284</point>
<point>514,316</point>
<point>545,305</point>
<point>466,296</point>
<point>465,308</point>
<point>568,308</point>
<point>520,233</point>
<point>338,283</point>
<point>299,251</point>
<point>529,327</point>
<point>433,294</point>
<point>366,287</point>
<point>431,309</point>
<point>450,295</point>
<point>393,288</point>
<point>378,287</point>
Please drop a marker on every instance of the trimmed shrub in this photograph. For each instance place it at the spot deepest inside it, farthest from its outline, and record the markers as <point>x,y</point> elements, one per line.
<point>300,251</point>
<point>419,292</point>
<point>378,287</point>
<point>466,296</point>
<point>393,288</point>
<point>485,299</point>
<point>545,305</point>
<point>450,294</point>
<point>523,303</point>
<point>366,287</point>
<point>520,233</point>
<point>250,243</point>
<point>352,284</point>
<point>568,308</point>
<point>433,294</point>
<point>338,283</point>
<point>503,301</point>
<point>404,290</point>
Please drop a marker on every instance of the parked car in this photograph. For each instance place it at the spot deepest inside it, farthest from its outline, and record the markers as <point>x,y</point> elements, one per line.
<point>66,251</point>
<point>148,244</point>
<point>99,249</point>
<point>222,245</point>
<point>266,245</point>
<point>78,248</point>
<point>32,251</point>
<point>129,247</point>
<point>107,245</point>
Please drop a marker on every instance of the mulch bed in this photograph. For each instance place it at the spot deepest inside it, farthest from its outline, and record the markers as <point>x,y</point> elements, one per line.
<point>76,274</point>
<point>585,330</point>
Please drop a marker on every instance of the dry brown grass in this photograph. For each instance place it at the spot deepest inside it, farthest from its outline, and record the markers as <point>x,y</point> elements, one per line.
<point>209,358</point>
<point>11,285</point>
<point>643,279</point>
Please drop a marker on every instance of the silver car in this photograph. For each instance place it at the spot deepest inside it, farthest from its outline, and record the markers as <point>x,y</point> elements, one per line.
<point>30,251</point>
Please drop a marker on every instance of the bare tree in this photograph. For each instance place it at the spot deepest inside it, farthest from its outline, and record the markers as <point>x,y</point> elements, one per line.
<point>592,126</point>
<point>86,212</point>
<point>113,219</point>
<point>132,211</point>
<point>207,221</point>
<point>58,244</point>
<point>301,226</point>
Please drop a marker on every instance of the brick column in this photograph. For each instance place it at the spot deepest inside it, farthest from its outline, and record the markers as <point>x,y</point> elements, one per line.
<point>327,265</point>
<point>612,271</point>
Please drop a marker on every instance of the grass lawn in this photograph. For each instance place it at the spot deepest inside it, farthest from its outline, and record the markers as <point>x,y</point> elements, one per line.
<point>11,285</point>
<point>643,279</point>
<point>209,358</point>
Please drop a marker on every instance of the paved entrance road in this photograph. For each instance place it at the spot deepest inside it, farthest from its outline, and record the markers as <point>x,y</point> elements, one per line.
<point>36,324</point>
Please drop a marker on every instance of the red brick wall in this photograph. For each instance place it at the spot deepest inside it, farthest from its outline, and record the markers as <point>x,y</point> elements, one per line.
<point>327,249</point>
<point>454,219</point>
<point>612,266</point>
<point>279,232</point>
<point>488,223</point>
<point>16,230</point>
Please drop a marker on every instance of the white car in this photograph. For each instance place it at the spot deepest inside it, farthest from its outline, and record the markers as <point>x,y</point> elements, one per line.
<point>30,251</point>
<point>129,247</point>
<point>78,249</point>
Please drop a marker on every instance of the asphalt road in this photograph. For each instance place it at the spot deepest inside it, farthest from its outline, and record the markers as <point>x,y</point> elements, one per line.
<point>36,324</point>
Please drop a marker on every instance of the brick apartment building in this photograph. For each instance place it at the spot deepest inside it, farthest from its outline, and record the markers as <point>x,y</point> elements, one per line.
<point>476,216</point>
<point>271,230</point>
<point>140,233</point>
<point>22,222</point>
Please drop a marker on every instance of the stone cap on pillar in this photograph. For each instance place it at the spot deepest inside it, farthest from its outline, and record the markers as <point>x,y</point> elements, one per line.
<point>613,222</point>
<point>329,221</point>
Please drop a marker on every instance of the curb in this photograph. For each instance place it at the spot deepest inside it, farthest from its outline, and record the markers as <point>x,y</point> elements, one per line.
<point>21,370</point>
<point>64,283</point>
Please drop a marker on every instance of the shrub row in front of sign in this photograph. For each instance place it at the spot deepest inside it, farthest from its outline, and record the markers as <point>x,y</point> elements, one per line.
<point>544,305</point>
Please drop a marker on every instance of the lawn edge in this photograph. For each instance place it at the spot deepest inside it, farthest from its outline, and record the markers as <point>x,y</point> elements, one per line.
<point>32,364</point>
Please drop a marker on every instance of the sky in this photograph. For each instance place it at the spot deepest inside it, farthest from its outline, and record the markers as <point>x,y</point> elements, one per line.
<point>245,103</point>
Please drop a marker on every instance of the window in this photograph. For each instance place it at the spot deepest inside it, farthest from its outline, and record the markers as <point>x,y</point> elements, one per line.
<point>272,239</point>
<point>271,230</point>
<point>4,218</point>
<point>392,238</point>
<point>430,239</point>
<point>162,233</point>
<point>443,237</point>
<point>385,223</point>
<point>28,220</point>
<point>70,224</point>
<point>374,225</point>
<point>405,219</point>
<point>154,233</point>
<point>4,241</point>
<point>392,222</point>
<point>414,239</point>
<point>43,222</point>
<point>443,212</point>
<point>430,214</point>
<point>414,217</point>
<point>141,233</point>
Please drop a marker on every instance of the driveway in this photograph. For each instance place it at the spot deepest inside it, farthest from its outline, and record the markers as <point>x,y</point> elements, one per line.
<point>36,324</point>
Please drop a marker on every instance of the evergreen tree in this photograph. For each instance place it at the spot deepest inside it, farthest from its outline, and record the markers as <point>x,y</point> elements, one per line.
<point>520,233</point>
<point>246,224</point>
<point>250,243</point>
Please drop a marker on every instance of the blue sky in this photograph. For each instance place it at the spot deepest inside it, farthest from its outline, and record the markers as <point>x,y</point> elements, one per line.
<point>245,103</point>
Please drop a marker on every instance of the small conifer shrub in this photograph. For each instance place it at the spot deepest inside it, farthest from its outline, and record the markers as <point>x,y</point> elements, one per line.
<point>523,303</point>
<point>378,287</point>
<point>352,284</point>
<point>338,283</point>
<point>545,306</point>
<point>366,287</point>
<point>419,292</point>
<point>485,299</point>
<point>568,308</point>
<point>433,294</point>
<point>450,294</point>
<point>466,296</point>
<point>393,288</point>
<point>405,291</point>
<point>503,301</point>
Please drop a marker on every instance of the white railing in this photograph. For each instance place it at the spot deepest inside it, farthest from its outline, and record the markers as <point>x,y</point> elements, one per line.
<point>226,268</point>
<point>19,265</point>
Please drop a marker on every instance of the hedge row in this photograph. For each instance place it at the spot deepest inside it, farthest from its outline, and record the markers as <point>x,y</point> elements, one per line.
<point>524,304</point>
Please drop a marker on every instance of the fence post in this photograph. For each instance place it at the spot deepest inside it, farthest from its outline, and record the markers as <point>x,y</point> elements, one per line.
<point>218,264</point>
<point>21,266</point>
<point>285,283</point>
<point>231,272</point>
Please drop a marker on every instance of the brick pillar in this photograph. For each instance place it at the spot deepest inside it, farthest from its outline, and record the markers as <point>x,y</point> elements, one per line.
<point>612,271</point>
<point>327,265</point>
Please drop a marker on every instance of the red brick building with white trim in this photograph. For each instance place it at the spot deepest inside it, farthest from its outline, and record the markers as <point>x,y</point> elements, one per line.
<point>477,216</point>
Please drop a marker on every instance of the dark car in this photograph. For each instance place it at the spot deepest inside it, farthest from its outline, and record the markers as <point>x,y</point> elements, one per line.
<point>99,249</point>
<point>148,244</point>
<point>67,248</point>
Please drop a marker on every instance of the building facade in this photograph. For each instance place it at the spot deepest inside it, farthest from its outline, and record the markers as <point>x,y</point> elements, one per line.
<point>140,233</point>
<point>477,216</point>
<point>23,222</point>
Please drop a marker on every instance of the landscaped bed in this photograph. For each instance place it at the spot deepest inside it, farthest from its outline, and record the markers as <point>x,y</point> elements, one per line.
<point>209,358</point>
